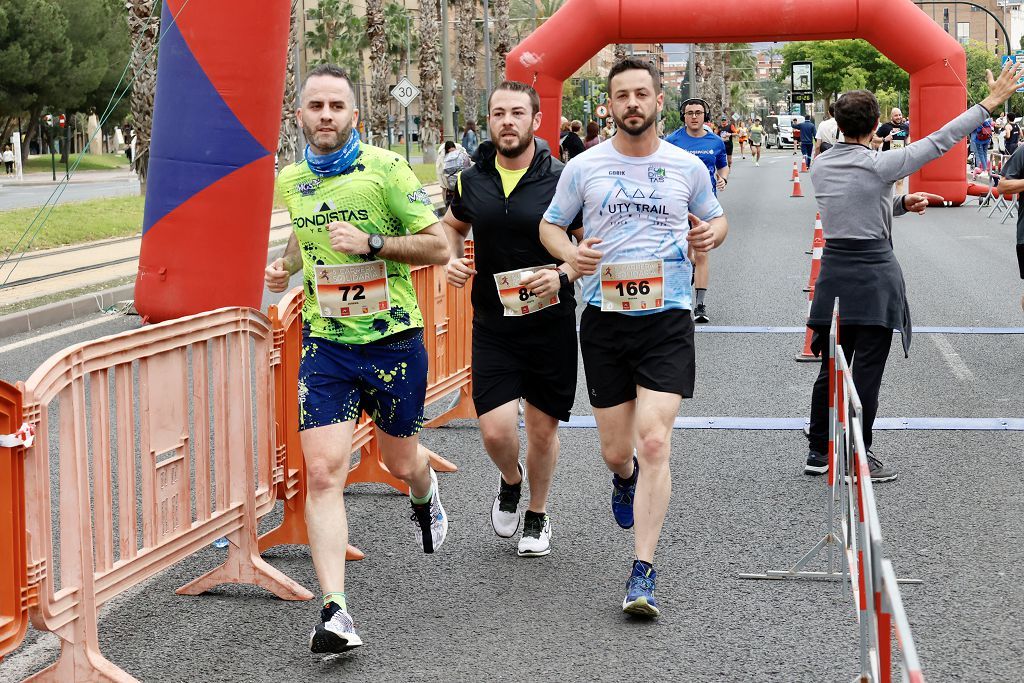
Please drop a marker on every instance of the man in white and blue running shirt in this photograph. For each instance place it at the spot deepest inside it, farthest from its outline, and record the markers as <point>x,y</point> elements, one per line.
<point>694,137</point>
<point>644,203</point>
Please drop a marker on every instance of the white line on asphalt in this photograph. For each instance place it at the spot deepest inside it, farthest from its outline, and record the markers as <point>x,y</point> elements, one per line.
<point>953,359</point>
<point>55,333</point>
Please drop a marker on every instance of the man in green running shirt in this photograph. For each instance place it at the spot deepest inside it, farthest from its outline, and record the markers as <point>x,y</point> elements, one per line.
<point>360,218</point>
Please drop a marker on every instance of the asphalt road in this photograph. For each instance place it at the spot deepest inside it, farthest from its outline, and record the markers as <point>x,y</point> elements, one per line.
<point>474,611</point>
<point>15,196</point>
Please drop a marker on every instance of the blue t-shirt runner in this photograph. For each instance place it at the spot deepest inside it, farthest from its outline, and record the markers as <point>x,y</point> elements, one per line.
<point>709,149</point>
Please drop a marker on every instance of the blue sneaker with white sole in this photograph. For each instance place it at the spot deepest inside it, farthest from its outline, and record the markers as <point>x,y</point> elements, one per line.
<point>622,497</point>
<point>639,600</point>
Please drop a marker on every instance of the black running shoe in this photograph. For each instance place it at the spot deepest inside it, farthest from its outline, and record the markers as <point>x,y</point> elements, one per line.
<point>816,463</point>
<point>700,314</point>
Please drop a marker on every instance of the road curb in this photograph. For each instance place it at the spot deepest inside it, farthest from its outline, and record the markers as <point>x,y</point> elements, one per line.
<point>62,311</point>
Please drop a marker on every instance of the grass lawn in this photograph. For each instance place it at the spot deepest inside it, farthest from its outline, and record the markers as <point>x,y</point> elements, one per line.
<point>73,223</point>
<point>90,162</point>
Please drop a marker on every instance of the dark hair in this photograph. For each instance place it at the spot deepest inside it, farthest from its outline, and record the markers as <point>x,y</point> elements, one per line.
<point>448,146</point>
<point>593,130</point>
<point>516,86</point>
<point>857,113</point>
<point>576,126</point>
<point>1011,117</point>
<point>332,70</point>
<point>635,64</point>
<point>832,109</point>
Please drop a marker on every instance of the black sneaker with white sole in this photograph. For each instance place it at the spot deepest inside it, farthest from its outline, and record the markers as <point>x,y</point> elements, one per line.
<point>816,463</point>
<point>536,540</point>
<point>700,314</point>
<point>336,633</point>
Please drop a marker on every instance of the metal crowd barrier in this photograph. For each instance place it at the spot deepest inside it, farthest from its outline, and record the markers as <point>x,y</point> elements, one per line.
<point>166,438</point>
<point>856,539</point>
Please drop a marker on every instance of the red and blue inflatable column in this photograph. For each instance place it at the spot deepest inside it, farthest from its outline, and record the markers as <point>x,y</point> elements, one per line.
<point>220,81</point>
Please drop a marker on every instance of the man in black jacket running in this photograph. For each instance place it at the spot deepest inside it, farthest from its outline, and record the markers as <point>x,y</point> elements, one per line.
<point>524,323</point>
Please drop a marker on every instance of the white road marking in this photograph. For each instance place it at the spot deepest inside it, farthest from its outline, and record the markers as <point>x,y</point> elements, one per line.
<point>953,359</point>
<point>56,333</point>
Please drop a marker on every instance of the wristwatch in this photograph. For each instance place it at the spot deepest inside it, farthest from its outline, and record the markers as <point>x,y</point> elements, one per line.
<point>376,243</point>
<point>563,278</point>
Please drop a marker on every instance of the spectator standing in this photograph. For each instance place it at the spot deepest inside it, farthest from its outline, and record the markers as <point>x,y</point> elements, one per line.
<point>998,141</point>
<point>981,138</point>
<point>570,143</point>
<point>8,158</point>
<point>470,141</point>
<point>455,161</point>
<point>828,132</point>
<point>593,135</point>
<point>1011,133</point>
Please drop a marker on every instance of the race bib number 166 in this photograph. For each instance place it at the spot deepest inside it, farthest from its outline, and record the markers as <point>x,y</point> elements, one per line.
<point>633,286</point>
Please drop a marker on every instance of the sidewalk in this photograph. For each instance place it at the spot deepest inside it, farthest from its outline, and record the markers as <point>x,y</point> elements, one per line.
<point>46,178</point>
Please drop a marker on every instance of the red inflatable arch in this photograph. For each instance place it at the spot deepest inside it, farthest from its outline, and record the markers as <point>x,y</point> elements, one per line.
<point>899,29</point>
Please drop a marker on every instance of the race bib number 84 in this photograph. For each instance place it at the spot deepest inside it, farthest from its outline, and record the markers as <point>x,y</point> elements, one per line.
<point>633,286</point>
<point>352,290</point>
<point>519,300</point>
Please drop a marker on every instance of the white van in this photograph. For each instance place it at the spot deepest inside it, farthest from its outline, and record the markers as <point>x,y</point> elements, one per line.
<point>778,130</point>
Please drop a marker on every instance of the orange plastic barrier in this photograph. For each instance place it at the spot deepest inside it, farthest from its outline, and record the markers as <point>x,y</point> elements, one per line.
<point>15,595</point>
<point>197,474</point>
<point>447,328</point>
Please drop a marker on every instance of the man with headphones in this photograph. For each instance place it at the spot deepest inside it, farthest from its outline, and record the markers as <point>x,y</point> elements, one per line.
<point>709,148</point>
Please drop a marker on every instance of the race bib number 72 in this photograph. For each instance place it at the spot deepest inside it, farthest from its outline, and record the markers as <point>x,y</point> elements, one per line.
<point>352,290</point>
<point>633,286</point>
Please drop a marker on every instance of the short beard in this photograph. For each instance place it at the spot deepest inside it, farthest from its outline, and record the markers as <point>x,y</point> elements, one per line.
<point>516,149</point>
<point>343,135</point>
<point>636,132</point>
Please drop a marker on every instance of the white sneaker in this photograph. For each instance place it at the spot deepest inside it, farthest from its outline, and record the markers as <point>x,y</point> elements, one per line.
<point>430,520</point>
<point>505,509</point>
<point>335,634</point>
<point>536,540</point>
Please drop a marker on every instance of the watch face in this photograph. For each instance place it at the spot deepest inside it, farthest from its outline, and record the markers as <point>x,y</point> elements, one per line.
<point>376,242</point>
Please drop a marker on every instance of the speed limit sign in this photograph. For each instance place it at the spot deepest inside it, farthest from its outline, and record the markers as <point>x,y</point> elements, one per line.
<point>602,111</point>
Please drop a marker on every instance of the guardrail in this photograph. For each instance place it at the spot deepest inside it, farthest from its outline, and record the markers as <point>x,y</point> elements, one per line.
<point>857,538</point>
<point>158,441</point>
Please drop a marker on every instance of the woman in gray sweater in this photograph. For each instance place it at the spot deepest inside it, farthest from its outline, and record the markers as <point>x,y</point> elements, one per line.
<point>853,188</point>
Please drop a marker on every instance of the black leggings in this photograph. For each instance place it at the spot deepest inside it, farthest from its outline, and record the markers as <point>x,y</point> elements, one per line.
<point>866,348</point>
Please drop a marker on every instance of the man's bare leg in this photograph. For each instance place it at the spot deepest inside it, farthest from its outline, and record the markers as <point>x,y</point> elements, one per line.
<point>328,454</point>
<point>499,429</point>
<point>541,455</point>
<point>655,415</point>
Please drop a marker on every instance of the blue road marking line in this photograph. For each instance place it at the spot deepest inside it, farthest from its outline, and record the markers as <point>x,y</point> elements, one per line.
<point>1014,424</point>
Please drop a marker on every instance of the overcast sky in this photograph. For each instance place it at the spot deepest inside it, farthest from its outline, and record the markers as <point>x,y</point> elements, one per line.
<point>677,52</point>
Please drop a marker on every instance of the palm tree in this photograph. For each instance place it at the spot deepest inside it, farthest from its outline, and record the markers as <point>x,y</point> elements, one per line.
<point>338,35</point>
<point>430,110</point>
<point>288,138</point>
<point>379,68</point>
<point>468,46</point>
<point>740,75</point>
<point>395,19</point>
<point>144,29</point>
<point>709,67</point>
<point>620,51</point>
<point>502,38</point>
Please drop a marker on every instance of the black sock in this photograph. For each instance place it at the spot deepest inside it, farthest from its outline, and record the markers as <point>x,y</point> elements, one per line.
<point>645,567</point>
<point>700,292</point>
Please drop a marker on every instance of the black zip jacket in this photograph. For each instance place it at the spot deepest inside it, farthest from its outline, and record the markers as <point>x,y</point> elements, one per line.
<point>506,232</point>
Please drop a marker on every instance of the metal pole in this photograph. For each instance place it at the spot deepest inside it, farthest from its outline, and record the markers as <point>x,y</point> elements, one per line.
<point>447,112</point>
<point>487,45</point>
<point>408,70</point>
<point>691,72</point>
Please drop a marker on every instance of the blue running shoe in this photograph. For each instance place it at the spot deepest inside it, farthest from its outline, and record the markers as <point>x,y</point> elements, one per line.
<point>639,600</point>
<point>622,497</point>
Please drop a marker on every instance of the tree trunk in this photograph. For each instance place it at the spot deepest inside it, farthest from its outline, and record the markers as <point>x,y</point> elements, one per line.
<point>144,37</point>
<point>503,38</point>
<point>467,52</point>
<point>620,51</point>
<point>33,126</point>
<point>288,138</point>
<point>430,103</point>
<point>710,77</point>
<point>379,70</point>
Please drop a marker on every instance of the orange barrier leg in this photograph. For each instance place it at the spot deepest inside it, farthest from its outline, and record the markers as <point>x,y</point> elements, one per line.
<point>372,470</point>
<point>293,527</point>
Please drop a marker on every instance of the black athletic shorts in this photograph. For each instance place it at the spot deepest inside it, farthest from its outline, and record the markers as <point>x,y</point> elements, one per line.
<point>621,352</point>
<point>538,364</point>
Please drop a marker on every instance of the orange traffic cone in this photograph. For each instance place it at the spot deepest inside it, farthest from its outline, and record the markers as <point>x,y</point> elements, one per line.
<point>796,171</point>
<point>797,192</point>
<point>805,356</point>
<point>803,164</point>
<point>817,224</point>
<point>816,249</point>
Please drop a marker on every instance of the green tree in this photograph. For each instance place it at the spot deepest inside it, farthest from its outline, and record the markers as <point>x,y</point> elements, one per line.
<point>841,65</point>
